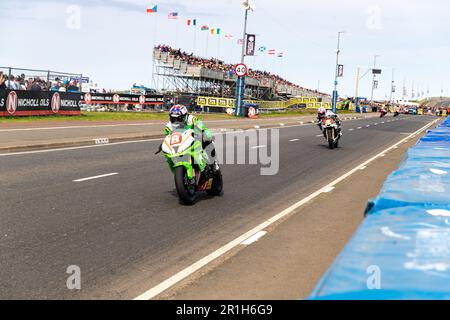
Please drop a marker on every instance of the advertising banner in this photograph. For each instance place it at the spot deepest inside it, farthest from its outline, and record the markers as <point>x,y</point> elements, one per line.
<point>34,103</point>
<point>116,98</point>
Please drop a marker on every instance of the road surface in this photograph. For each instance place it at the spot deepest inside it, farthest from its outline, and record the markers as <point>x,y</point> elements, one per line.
<point>126,230</point>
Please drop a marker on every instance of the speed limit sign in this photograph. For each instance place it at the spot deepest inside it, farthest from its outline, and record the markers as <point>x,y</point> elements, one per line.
<point>241,70</point>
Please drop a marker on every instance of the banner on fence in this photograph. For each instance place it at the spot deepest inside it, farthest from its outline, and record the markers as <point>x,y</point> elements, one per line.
<point>34,103</point>
<point>119,98</point>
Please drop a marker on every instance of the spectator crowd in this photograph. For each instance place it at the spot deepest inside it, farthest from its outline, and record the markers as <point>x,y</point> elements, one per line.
<point>219,65</point>
<point>21,82</point>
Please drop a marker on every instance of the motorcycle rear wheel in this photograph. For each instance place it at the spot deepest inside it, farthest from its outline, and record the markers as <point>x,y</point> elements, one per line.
<point>217,185</point>
<point>187,195</point>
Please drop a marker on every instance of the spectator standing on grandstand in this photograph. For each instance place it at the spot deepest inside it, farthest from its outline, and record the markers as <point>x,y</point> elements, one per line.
<point>72,87</point>
<point>2,81</point>
<point>36,86</point>
<point>11,83</point>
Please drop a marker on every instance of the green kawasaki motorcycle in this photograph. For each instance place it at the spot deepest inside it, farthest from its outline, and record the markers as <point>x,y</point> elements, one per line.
<point>189,163</point>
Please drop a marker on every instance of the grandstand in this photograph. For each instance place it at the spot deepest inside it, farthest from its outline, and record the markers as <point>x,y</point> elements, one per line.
<point>179,72</point>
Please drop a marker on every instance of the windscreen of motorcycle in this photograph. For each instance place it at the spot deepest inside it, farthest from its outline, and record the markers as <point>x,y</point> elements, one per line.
<point>178,142</point>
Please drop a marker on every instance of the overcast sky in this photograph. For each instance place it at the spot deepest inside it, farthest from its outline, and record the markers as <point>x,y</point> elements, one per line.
<point>111,40</point>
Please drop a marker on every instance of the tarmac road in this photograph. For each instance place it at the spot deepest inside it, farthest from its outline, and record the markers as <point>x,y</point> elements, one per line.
<point>127,231</point>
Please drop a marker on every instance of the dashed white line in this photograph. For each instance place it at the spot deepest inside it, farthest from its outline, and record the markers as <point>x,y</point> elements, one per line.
<point>329,189</point>
<point>351,129</point>
<point>96,177</point>
<point>258,147</point>
<point>293,140</point>
<point>359,128</point>
<point>254,238</point>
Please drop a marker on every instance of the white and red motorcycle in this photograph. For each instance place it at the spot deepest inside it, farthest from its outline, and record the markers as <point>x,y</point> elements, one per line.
<point>331,131</point>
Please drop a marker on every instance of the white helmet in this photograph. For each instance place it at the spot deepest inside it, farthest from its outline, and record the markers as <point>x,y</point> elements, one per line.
<point>329,113</point>
<point>322,111</point>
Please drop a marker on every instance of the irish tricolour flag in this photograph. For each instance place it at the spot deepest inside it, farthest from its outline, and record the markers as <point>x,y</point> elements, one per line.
<point>215,31</point>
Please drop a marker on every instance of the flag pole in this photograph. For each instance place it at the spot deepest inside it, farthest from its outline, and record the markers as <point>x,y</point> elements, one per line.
<point>195,37</point>
<point>207,40</point>
<point>176,33</point>
<point>232,51</point>
<point>218,47</point>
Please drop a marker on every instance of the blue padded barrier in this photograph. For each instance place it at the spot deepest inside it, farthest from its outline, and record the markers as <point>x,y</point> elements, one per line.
<point>408,248</point>
<point>402,249</point>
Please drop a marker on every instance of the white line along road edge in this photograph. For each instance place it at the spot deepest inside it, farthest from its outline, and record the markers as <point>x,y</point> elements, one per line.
<point>96,177</point>
<point>183,274</point>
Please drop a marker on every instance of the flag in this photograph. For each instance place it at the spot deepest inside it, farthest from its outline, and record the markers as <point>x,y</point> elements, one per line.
<point>229,36</point>
<point>205,28</point>
<point>215,31</point>
<point>262,49</point>
<point>272,52</point>
<point>152,10</point>
<point>192,22</point>
<point>240,41</point>
<point>173,16</point>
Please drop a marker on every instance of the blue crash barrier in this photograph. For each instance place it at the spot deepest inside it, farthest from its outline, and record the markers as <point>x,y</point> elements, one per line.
<point>399,253</point>
<point>402,249</point>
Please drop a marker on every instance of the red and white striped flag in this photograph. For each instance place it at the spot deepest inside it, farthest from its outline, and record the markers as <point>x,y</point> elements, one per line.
<point>271,52</point>
<point>229,36</point>
<point>240,41</point>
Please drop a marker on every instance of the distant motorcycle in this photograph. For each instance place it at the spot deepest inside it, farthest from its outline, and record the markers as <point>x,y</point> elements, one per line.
<point>188,162</point>
<point>331,132</point>
<point>383,113</point>
<point>396,114</point>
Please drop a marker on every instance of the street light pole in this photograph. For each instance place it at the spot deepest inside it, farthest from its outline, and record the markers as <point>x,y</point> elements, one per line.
<point>240,84</point>
<point>373,80</point>
<point>245,31</point>
<point>335,93</point>
<point>392,86</point>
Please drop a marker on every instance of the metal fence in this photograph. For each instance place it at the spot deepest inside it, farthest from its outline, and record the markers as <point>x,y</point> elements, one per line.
<point>47,75</point>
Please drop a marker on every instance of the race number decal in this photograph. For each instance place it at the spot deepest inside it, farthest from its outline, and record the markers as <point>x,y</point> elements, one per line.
<point>176,138</point>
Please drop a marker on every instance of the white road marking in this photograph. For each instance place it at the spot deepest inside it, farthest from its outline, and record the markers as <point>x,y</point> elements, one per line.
<point>363,168</point>
<point>183,274</point>
<point>293,140</point>
<point>96,177</point>
<point>368,126</point>
<point>101,141</point>
<point>119,143</point>
<point>319,135</point>
<point>329,189</point>
<point>82,127</point>
<point>351,129</point>
<point>259,147</point>
<point>254,238</point>
<point>359,128</point>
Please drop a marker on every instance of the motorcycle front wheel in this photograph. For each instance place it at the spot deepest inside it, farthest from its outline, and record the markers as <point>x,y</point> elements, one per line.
<point>330,138</point>
<point>185,191</point>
